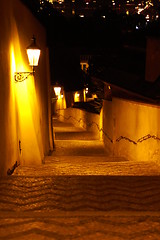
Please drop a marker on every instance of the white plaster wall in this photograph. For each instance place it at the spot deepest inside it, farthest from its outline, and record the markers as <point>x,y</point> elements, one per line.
<point>23,106</point>
<point>108,126</point>
<point>80,118</point>
<point>126,122</point>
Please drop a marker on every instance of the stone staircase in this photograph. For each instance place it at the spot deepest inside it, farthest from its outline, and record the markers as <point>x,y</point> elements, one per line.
<point>81,193</point>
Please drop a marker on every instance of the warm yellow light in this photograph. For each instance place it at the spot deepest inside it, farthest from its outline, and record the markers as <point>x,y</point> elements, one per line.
<point>33,56</point>
<point>33,52</point>
<point>24,108</point>
<point>76,97</point>
<point>57,91</point>
<point>94,96</point>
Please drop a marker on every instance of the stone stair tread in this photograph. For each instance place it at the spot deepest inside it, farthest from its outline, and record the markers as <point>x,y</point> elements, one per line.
<point>75,135</point>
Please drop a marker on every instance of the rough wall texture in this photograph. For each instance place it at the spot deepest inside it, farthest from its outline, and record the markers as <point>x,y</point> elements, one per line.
<point>23,106</point>
<point>133,128</point>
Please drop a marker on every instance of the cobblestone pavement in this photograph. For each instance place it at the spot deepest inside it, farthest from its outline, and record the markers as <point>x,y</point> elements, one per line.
<point>81,193</point>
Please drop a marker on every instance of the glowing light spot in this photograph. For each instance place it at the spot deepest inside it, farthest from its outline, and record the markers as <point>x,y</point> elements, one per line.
<point>76,97</point>
<point>57,91</point>
<point>33,56</point>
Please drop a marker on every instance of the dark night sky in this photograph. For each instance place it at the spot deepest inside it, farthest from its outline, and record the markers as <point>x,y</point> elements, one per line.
<point>68,38</point>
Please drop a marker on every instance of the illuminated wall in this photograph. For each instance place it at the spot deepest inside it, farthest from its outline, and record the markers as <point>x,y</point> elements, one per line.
<point>24,112</point>
<point>89,121</point>
<point>134,129</point>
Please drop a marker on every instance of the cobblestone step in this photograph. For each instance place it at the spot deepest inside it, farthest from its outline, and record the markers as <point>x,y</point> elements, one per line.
<point>75,136</point>
<point>79,148</point>
<point>81,193</point>
<point>80,207</point>
<point>80,227</point>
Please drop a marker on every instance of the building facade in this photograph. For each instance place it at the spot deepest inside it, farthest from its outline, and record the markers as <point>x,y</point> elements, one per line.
<point>24,113</point>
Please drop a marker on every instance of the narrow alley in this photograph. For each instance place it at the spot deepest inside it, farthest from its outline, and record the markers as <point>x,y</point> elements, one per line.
<point>80,192</point>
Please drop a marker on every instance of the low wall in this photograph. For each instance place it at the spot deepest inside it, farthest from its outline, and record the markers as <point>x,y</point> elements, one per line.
<point>131,129</point>
<point>89,121</point>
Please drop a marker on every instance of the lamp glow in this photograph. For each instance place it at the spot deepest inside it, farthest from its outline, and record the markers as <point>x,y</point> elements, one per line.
<point>57,91</point>
<point>33,52</point>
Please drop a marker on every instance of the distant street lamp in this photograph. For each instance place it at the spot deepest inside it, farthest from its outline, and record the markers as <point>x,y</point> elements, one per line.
<point>33,53</point>
<point>57,91</point>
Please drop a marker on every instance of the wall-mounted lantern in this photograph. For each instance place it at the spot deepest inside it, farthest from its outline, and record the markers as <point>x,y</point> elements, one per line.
<point>57,91</point>
<point>33,52</point>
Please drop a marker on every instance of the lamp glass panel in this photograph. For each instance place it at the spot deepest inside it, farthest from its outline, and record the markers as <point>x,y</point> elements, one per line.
<point>57,90</point>
<point>33,56</point>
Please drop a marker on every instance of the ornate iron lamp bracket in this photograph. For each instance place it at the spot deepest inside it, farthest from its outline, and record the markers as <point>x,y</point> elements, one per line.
<point>22,76</point>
